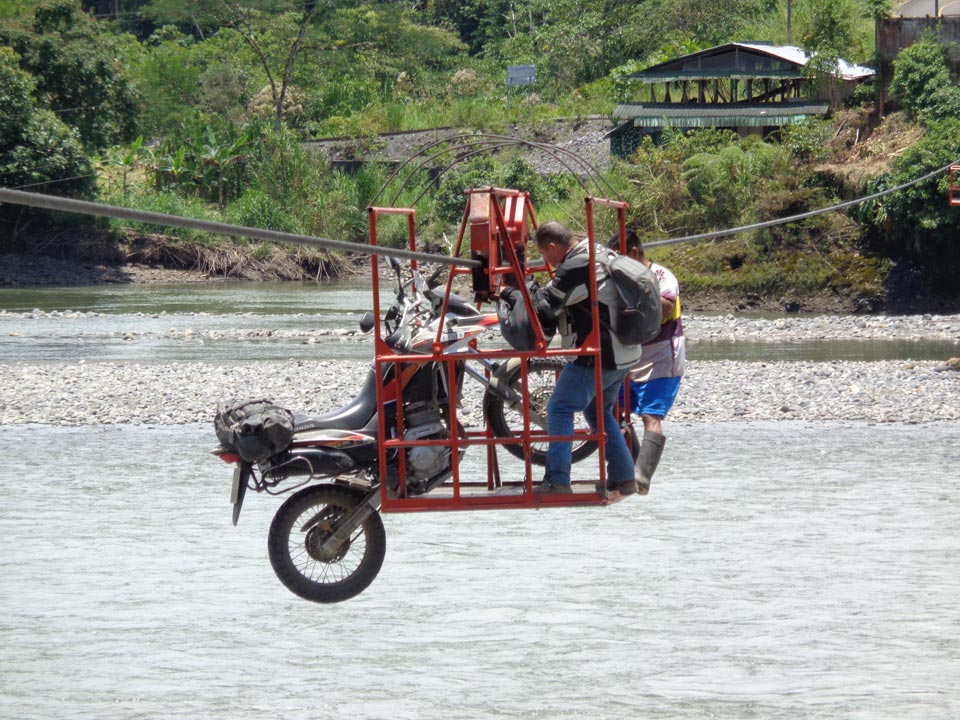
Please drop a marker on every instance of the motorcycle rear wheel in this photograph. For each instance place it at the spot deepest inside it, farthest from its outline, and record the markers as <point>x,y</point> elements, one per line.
<point>508,423</point>
<point>297,532</point>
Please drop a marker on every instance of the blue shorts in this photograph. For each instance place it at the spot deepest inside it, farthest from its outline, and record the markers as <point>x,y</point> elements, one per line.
<point>654,397</point>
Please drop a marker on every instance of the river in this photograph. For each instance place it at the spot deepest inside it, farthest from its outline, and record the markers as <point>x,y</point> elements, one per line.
<point>777,569</point>
<point>821,585</point>
<point>246,322</point>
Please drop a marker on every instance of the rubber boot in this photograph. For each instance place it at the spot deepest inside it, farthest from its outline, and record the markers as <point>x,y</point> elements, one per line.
<point>650,451</point>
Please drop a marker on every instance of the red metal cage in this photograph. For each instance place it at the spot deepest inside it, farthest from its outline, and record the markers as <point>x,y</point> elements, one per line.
<point>955,186</point>
<point>495,230</point>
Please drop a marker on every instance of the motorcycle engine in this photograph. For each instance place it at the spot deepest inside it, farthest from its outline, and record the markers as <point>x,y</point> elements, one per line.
<point>426,466</point>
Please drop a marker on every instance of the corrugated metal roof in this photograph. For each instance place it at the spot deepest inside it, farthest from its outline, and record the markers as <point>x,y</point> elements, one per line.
<point>747,115</point>
<point>788,53</point>
<point>633,110</point>
<point>728,121</point>
<point>674,76</point>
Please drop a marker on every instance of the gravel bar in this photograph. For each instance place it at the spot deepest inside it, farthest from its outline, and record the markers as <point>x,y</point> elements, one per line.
<point>172,394</point>
<point>900,391</point>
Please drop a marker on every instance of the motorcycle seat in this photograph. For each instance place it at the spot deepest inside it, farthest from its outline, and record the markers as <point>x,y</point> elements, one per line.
<point>355,415</point>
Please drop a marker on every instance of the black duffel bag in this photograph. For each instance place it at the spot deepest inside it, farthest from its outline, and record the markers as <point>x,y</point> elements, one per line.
<point>255,429</point>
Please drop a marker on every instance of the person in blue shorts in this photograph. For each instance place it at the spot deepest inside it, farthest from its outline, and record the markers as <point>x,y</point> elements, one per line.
<point>655,379</point>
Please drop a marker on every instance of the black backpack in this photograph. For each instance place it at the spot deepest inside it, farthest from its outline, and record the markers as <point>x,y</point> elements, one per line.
<point>636,302</point>
<point>255,429</point>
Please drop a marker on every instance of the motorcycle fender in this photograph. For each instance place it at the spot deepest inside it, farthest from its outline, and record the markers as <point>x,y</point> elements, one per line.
<point>322,461</point>
<point>501,388</point>
<point>498,381</point>
<point>345,527</point>
<point>241,474</point>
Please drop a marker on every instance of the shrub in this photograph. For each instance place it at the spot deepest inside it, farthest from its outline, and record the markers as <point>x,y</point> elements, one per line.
<point>168,203</point>
<point>921,80</point>
<point>258,210</point>
<point>521,175</point>
<point>450,198</point>
<point>807,140</point>
<point>916,224</point>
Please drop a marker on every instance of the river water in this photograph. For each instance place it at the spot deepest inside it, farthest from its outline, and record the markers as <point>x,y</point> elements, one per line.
<point>195,322</point>
<point>247,322</point>
<point>776,570</point>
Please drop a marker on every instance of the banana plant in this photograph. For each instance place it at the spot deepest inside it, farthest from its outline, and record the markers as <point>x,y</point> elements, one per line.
<point>217,156</point>
<point>126,160</point>
<point>173,170</point>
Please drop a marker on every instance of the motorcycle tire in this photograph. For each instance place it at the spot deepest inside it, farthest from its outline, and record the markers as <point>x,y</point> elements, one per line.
<point>507,423</point>
<point>297,532</point>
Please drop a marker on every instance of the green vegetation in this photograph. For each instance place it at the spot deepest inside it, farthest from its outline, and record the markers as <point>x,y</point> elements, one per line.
<point>202,107</point>
<point>915,224</point>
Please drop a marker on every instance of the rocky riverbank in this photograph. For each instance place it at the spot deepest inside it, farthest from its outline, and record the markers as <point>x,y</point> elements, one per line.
<point>93,393</point>
<point>39,271</point>
<point>173,394</point>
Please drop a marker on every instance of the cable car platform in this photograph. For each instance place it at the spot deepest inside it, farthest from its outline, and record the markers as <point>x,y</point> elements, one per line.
<point>476,496</point>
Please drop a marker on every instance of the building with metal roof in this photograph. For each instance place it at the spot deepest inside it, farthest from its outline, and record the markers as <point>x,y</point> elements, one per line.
<point>752,88</point>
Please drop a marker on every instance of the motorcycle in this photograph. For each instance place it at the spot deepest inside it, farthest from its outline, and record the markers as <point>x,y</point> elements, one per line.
<point>326,542</point>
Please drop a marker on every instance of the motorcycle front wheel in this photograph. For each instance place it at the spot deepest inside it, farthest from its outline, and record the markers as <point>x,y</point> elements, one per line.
<point>296,537</point>
<point>506,422</point>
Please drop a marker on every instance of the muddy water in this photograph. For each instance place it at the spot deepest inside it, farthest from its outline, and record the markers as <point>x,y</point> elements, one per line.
<point>777,570</point>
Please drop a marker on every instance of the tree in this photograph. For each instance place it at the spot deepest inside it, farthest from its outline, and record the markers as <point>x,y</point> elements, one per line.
<point>707,22</point>
<point>830,36</point>
<point>78,68</point>
<point>386,39</point>
<point>37,150</point>
<point>275,31</point>
<point>123,14</point>
<point>921,81</point>
<point>477,22</point>
<point>168,77</point>
<point>916,224</point>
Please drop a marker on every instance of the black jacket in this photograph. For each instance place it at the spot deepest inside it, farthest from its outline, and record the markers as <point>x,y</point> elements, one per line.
<point>565,300</point>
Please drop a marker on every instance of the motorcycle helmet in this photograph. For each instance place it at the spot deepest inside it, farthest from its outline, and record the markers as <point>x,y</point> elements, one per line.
<point>515,325</point>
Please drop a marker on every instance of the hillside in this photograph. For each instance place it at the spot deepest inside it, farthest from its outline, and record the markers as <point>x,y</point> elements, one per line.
<point>583,137</point>
<point>862,149</point>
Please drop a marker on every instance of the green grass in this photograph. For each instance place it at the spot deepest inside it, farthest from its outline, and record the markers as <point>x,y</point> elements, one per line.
<point>738,265</point>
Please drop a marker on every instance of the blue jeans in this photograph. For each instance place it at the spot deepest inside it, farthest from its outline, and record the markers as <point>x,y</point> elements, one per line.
<point>575,392</point>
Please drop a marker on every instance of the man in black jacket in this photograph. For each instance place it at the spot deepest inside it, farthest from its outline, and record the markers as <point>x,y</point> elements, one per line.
<point>566,302</point>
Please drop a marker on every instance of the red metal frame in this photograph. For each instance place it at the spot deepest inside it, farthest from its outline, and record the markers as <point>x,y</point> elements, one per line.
<point>498,221</point>
<point>955,186</point>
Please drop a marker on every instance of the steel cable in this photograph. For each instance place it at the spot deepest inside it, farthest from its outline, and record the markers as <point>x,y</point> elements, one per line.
<point>466,140</point>
<point>83,207</point>
<point>794,218</point>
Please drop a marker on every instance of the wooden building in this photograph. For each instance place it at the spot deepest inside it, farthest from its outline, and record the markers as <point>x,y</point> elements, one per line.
<point>747,87</point>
